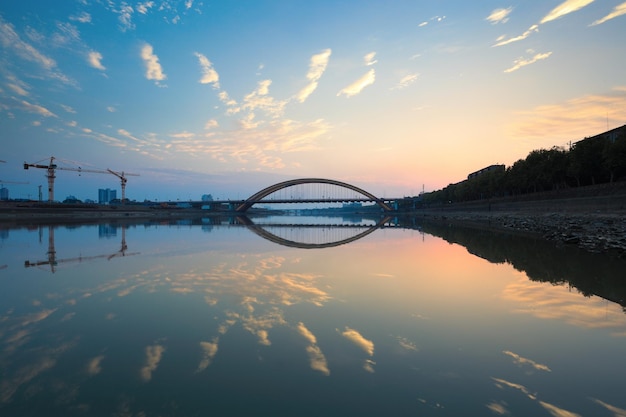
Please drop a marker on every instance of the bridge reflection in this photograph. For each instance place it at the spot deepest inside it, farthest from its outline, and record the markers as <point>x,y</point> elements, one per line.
<point>312,236</point>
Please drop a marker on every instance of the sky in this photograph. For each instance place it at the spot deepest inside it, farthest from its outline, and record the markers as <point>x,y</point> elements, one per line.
<point>228,97</point>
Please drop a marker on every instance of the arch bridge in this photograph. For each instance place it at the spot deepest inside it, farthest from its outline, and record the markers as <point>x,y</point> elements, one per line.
<point>350,193</point>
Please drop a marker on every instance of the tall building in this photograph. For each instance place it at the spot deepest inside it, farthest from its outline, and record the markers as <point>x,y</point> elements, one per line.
<point>106,195</point>
<point>4,193</point>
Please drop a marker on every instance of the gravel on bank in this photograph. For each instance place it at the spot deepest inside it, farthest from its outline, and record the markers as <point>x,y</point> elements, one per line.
<point>597,232</point>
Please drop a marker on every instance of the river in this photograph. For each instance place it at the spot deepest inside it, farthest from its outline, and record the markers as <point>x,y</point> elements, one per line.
<point>292,316</point>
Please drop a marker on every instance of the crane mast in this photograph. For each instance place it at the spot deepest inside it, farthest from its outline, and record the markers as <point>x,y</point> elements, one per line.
<point>51,175</point>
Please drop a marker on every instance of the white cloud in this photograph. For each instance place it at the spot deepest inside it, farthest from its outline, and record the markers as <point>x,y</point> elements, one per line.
<point>183,135</point>
<point>34,108</point>
<point>210,124</point>
<point>144,7</point>
<point>558,411</point>
<point>519,360</point>
<point>209,75</point>
<point>17,89</point>
<point>153,68</point>
<point>317,360</point>
<point>83,17</point>
<point>358,339</point>
<point>522,62</point>
<point>11,40</point>
<point>125,16</point>
<point>94,367</point>
<point>154,354</point>
<point>67,33</point>
<point>369,59</point>
<point>261,100</point>
<point>406,81</point>
<point>502,41</point>
<point>567,7</point>
<point>95,60</point>
<point>317,66</point>
<point>68,109</point>
<point>358,86</point>
<point>437,19</point>
<point>209,350</point>
<point>619,412</point>
<point>499,15</point>
<point>619,10</point>
<point>188,4</point>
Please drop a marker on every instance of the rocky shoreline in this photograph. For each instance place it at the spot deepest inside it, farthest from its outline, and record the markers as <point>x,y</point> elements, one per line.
<point>596,232</point>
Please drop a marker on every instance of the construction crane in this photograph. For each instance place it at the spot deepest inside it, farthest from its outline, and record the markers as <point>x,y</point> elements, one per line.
<point>53,261</point>
<point>123,180</point>
<point>51,175</point>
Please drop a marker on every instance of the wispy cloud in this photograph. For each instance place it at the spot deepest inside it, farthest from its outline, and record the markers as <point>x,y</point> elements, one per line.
<point>209,75</point>
<point>317,360</point>
<point>358,339</point>
<point>358,86</point>
<point>551,408</point>
<point>317,66</point>
<point>370,59</point>
<point>209,350</point>
<point>11,40</point>
<point>125,17</point>
<point>557,303</point>
<point>363,343</point>
<point>501,383</point>
<point>618,412</point>
<point>260,99</point>
<point>153,67</point>
<point>94,366</point>
<point>211,124</point>
<point>154,354</point>
<point>35,108</point>
<point>522,62</point>
<point>558,411</point>
<point>144,7</point>
<point>82,17</point>
<point>95,60</point>
<point>565,8</point>
<point>525,361</point>
<point>406,81</point>
<point>501,41</point>
<point>68,109</point>
<point>436,19</point>
<point>17,86</point>
<point>619,10</point>
<point>573,118</point>
<point>499,16</point>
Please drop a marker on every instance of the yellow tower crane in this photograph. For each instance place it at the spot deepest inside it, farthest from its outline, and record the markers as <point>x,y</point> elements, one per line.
<point>51,175</point>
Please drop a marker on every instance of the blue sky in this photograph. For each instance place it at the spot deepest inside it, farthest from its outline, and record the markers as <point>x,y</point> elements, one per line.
<point>227,97</point>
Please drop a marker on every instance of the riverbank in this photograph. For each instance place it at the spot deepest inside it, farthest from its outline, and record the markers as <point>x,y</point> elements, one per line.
<point>592,218</point>
<point>20,214</point>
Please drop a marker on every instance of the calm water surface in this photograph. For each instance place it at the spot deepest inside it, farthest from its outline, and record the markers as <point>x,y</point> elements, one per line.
<point>198,319</point>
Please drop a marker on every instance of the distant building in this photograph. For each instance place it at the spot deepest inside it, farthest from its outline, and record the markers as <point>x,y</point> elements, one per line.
<point>106,195</point>
<point>207,197</point>
<point>611,135</point>
<point>70,199</point>
<point>490,168</point>
<point>4,194</point>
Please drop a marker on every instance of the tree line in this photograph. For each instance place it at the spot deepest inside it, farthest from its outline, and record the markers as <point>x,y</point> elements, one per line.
<point>590,161</point>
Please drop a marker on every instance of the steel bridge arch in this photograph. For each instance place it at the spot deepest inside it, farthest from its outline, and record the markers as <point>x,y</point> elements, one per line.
<point>265,234</point>
<point>255,198</point>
